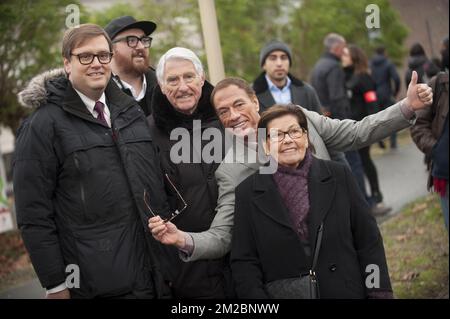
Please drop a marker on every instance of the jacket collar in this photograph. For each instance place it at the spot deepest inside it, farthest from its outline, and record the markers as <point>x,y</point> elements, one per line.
<point>167,118</point>
<point>322,187</point>
<point>260,84</point>
<point>331,56</point>
<point>117,100</point>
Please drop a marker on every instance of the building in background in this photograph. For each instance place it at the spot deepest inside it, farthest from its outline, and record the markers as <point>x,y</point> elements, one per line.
<point>428,28</point>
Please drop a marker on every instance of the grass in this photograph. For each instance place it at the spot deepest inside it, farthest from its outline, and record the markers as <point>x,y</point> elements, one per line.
<point>15,265</point>
<point>417,250</point>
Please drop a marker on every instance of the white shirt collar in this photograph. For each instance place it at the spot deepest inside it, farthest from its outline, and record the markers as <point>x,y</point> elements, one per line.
<point>90,104</point>
<point>274,87</point>
<point>136,96</point>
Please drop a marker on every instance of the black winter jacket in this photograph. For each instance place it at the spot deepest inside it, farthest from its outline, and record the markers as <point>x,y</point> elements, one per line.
<point>362,94</point>
<point>197,184</point>
<point>266,246</point>
<point>328,78</point>
<point>79,191</point>
<point>386,79</point>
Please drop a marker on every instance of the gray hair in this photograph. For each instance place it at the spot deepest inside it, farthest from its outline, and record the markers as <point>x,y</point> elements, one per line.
<point>333,39</point>
<point>174,54</point>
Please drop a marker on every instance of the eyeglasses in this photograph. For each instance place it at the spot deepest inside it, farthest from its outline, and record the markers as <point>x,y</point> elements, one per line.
<point>132,41</point>
<point>175,81</point>
<point>279,136</point>
<point>176,212</point>
<point>87,58</point>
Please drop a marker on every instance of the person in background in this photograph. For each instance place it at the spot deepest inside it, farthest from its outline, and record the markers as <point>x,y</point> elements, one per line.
<point>304,197</point>
<point>328,78</point>
<point>419,62</point>
<point>276,85</point>
<point>387,83</point>
<point>363,101</point>
<point>430,133</point>
<point>131,63</point>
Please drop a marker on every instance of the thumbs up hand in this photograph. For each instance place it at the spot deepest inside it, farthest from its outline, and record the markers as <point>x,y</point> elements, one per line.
<point>418,96</point>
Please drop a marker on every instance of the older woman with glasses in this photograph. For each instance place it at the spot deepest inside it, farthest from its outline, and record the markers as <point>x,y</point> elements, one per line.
<point>307,207</point>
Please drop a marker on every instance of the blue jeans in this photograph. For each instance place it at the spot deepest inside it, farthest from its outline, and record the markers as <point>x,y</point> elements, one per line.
<point>354,160</point>
<point>393,139</point>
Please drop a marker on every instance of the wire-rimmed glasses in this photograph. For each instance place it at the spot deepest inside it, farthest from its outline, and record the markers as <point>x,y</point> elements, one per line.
<point>176,212</point>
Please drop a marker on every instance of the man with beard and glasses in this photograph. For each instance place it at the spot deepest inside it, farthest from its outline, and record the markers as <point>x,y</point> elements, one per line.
<point>131,66</point>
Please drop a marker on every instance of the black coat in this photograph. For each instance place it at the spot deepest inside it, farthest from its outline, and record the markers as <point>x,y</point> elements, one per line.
<point>197,184</point>
<point>79,189</point>
<point>328,79</point>
<point>302,94</point>
<point>386,79</point>
<point>423,66</point>
<point>362,93</point>
<point>265,246</point>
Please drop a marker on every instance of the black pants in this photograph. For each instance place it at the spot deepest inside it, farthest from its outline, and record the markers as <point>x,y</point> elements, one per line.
<point>371,172</point>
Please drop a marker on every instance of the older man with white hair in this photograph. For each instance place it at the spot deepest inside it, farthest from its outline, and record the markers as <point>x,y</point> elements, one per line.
<point>181,103</point>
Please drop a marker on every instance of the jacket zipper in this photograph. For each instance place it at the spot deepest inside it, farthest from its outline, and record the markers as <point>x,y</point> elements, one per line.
<point>82,192</point>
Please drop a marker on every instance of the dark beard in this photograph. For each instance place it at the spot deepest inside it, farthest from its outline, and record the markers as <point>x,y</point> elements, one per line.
<point>139,68</point>
<point>126,64</point>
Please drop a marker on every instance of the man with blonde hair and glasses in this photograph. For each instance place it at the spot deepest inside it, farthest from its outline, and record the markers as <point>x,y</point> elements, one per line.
<point>83,159</point>
<point>131,67</point>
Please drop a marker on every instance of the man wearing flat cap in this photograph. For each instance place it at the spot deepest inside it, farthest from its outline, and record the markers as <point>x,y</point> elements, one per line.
<point>275,85</point>
<point>130,66</point>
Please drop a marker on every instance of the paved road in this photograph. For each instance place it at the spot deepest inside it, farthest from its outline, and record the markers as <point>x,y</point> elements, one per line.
<point>402,178</point>
<point>29,290</point>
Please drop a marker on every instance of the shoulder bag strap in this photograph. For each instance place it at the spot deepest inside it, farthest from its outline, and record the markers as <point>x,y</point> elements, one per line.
<point>317,247</point>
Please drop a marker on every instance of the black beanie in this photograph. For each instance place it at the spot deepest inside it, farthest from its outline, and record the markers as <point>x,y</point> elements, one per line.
<point>274,45</point>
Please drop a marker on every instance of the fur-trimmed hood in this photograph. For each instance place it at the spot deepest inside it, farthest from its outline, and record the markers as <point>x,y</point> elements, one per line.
<point>167,118</point>
<point>260,84</point>
<point>36,92</point>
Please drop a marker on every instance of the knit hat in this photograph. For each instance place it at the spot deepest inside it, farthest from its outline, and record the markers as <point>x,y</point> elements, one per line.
<point>274,45</point>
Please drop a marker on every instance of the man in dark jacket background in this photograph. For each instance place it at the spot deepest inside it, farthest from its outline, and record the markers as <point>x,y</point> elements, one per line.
<point>83,159</point>
<point>328,78</point>
<point>131,64</point>
<point>387,82</point>
<point>276,85</point>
